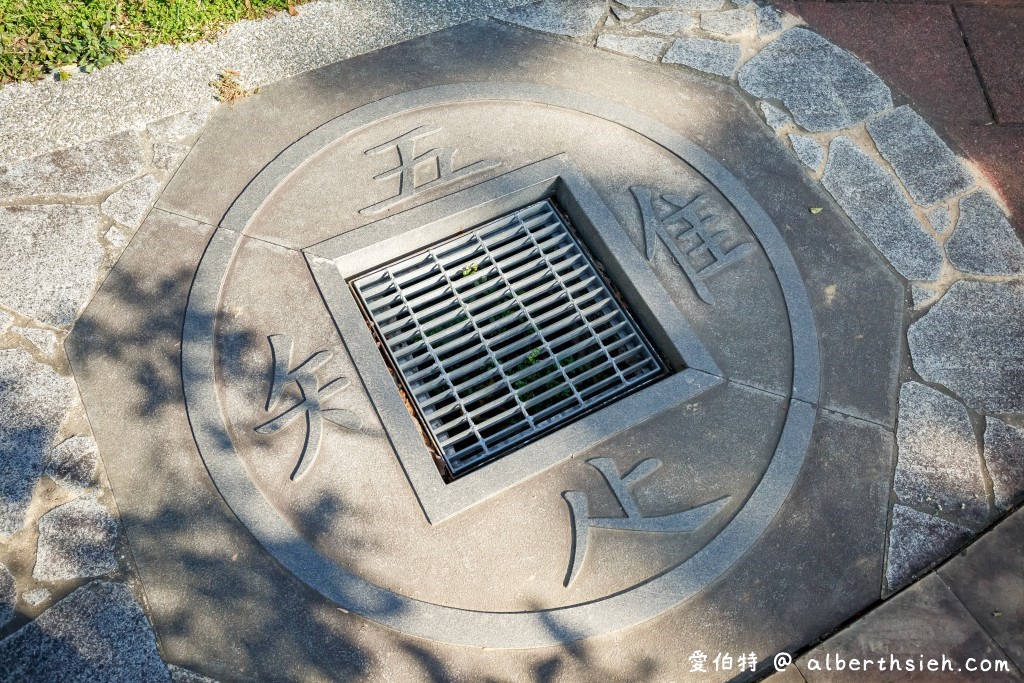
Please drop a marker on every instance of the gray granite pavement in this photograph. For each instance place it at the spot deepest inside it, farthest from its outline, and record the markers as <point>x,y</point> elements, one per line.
<point>80,177</point>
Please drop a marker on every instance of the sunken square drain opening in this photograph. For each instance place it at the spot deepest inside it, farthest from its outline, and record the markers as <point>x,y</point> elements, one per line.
<point>503,334</point>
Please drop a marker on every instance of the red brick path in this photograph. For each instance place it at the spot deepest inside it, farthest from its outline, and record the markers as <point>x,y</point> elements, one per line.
<point>960,64</point>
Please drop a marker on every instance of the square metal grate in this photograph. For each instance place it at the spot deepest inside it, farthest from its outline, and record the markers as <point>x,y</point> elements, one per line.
<point>503,334</point>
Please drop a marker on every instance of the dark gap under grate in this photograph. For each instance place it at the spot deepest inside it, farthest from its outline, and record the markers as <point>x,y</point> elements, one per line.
<point>504,333</point>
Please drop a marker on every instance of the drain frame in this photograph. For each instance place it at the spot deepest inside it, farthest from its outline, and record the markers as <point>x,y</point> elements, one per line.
<point>557,264</point>
<point>337,261</point>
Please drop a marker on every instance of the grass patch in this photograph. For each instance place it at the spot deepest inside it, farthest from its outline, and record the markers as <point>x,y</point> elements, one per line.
<point>38,37</point>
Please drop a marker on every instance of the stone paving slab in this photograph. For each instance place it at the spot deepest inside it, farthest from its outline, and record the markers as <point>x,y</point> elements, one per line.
<point>923,622</point>
<point>939,79</point>
<point>988,578</point>
<point>166,80</point>
<point>996,39</point>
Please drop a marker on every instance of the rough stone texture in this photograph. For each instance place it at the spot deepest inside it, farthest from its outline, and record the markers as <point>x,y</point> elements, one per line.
<point>7,595</point>
<point>998,152</point>
<point>642,47</point>
<point>573,18</point>
<point>675,4</point>
<point>921,295</point>
<point>983,241</point>
<point>808,150</point>
<point>664,23</point>
<point>179,126</point>
<point>128,206</point>
<point>44,340</point>
<point>1004,456</point>
<point>76,540</point>
<point>711,56</point>
<point>33,402</point>
<point>728,23</point>
<point>917,541</point>
<point>167,155</point>
<point>36,596</point>
<point>823,86</point>
<point>5,320</point>
<point>769,20</point>
<point>115,237</point>
<point>78,171</point>
<point>917,48</point>
<point>182,675</point>
<point>923,623</point>
<point>938,464</point>
<point>72,463</point>
<point>168,79</point>
<point>988,578</point>
<point>775,117</point>
<point>50,259</point>
<point>996,38</point>
<point>972,341</point>
<point>622,14</point>
<point>941,218</point>
<point>98,633</point>
<point>875,203</point>
<point>928,168</point>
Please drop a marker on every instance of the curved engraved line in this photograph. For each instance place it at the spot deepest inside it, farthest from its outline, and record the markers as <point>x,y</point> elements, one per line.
<point>467,627</point>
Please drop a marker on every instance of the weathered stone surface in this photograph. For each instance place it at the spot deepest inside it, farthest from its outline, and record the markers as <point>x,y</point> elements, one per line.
<point>36,596</point>
<point>167,155</point>
<point>49,262</point>
<point>938,464</point>
<point>573,18</point>
<point>940,218</point>
<point>72,463</point>
<point>921,295</point>
<point>727,23</point>
<point>5,320</point>
<point>825,87</point>
<point>128,206</point>
<point>874,202</point>
<point>917,541</point>
<point>711,56</point>
<point>44,340</point>
<point>769,20</point>
<point>33,402</point>
<point>182,675</point>
<point>808,150</point>
<point>676,4</point>
<point>83,170</point>
<point>622,14</point>
<point>972,341</point>
<point>76,540</point>
<point>988,578</point>
<point>1004,456</point>
<point>98,633</point>
<point>115,236</point>
<point>983,241</point>
<point>7,595</point>
<point>775,117</point>
<point>642,47</point>
<point>928,168</point>
<point>179,126</point>
<point>664,23</point>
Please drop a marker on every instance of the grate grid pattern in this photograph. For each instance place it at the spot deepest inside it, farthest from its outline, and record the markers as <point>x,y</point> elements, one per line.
<point>503,334</point>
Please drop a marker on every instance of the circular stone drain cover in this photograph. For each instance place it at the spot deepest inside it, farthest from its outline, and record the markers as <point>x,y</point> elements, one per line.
<point>741,433</point>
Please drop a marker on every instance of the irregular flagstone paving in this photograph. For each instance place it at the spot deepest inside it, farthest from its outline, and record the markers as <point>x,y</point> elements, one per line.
<point>890,172</point>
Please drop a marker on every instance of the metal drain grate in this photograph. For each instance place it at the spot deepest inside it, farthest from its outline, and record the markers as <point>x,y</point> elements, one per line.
<point>503,334</point>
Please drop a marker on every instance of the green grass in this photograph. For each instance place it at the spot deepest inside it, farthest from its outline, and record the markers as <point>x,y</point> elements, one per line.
<point>40,36</point>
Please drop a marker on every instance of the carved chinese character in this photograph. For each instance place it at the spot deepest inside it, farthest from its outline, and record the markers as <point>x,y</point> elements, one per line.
<point>310,406</point>
<point>582,522</point>
<point>435,162</point>
<point>704,242</point>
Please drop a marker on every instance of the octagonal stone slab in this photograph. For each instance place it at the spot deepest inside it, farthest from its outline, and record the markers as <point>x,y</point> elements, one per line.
<point>229,545</point>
